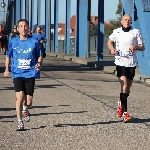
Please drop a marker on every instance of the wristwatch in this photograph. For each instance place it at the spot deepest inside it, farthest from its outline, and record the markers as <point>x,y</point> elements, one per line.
<point>40,63</point>
<point>136,47</point>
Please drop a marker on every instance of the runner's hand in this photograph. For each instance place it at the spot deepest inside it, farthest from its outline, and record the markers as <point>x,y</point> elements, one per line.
<point>132,48</point>
<point>42,41</point>
<point>113,51</point>
<point>38,66</point>
<point>6,73</point>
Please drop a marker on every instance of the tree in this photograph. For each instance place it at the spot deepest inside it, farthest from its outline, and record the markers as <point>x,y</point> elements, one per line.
<point>93,30</point>
<point>119,9</point>
<point>114,23</point>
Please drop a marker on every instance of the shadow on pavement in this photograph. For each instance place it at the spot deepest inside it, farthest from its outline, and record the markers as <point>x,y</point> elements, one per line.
<point>7,121</point>
<point>134,120</point>
<point>32,107</point>
<point>90,124</point>
<point>64,105</point>
<point>48,86</point>
<point>2,117</point>
<point>36,87</point>
<point>43,114</point>
<point>139,120</point>
<point>67,68</point>
<point>2,69</point>
<point>6,88</point>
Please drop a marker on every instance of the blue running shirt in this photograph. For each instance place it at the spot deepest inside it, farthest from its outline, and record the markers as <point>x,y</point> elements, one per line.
<point>39,36</point>
<point>24,54</point>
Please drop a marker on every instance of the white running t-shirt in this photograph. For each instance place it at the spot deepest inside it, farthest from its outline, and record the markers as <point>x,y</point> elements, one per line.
<point>124,40</point>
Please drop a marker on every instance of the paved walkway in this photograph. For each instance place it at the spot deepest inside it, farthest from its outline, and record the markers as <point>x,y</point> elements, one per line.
<point>107,64</point>
<point>74,109</point>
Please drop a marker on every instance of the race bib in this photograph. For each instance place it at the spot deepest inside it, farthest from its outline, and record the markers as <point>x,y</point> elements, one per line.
<point>125,54</point>
<point>24,63</point>
<point>125,58</point>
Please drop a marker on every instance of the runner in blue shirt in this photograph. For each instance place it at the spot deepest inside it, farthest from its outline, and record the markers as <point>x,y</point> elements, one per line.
<point>25,54</point>
<point>41,37</point>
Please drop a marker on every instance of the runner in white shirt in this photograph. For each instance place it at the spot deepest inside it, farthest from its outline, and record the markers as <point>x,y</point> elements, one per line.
<point>128,41</point>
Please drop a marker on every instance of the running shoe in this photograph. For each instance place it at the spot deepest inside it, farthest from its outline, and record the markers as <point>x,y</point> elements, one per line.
<point>20,125</point>
<point>126,117</point>
<point>26,116</point>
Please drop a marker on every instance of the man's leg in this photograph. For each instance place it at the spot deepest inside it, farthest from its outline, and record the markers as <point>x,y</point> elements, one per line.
<point>121,76</point>
<point>29,84</point>
<point>29,101</point>
<point>19,104</point>
<point>130,76</point>
<point>122,104</point>
<point>123,96</point>
<point>26,105</point>
<point>18,85</point>
<point>129,84</point>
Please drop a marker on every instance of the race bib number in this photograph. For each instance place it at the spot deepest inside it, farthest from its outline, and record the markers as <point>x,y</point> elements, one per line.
<point>125,54</point>
<point>125,58</point>
<point>24,63</point>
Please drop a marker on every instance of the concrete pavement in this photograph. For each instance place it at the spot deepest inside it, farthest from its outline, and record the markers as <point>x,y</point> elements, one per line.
<point>74,108</point>
<point>107,65</point>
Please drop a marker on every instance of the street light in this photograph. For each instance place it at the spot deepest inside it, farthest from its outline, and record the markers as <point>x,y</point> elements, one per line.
<point>3,4</point>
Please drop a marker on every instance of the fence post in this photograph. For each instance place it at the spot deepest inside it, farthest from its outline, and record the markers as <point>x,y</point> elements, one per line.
<point>100,30</point>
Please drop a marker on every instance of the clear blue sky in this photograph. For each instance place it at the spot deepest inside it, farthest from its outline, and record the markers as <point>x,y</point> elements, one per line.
<point>109,9</point>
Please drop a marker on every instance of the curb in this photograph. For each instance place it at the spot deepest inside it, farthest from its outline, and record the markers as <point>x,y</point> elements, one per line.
<point>138,77</point>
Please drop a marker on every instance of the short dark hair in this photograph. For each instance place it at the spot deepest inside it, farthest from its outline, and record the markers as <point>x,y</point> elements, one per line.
<point>23,20</point>
<point>38,27</point>
<point>14,26</point>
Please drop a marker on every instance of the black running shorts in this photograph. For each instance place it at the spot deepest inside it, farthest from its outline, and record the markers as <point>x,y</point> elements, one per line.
<point>24,84</point>
<point>129,72</point>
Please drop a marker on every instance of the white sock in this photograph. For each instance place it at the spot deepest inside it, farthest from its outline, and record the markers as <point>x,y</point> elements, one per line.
<point>25,108</point>
<point>19,120</point>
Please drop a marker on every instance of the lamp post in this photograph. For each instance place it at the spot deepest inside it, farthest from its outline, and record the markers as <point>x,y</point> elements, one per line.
<point>3,4</point>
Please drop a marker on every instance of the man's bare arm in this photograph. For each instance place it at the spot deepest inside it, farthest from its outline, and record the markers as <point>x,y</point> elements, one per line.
<point>40,59</point>
<point>43,41</point>
<point>7,63</point>
<point>110,45</point>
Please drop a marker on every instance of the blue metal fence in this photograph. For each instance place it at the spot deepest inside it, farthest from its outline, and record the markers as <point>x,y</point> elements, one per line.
<point>140,12</point>
<point>138,9</point>
<point>93,45</point>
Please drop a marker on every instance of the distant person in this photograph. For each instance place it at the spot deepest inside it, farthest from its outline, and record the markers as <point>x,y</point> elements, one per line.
<point>1,28</point>
<point>4,39</point>
<point>14,33</point>
<point>41,37</point>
